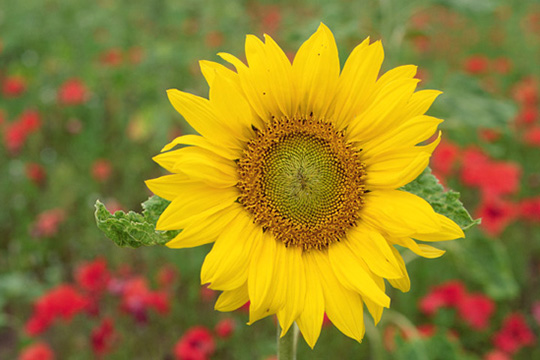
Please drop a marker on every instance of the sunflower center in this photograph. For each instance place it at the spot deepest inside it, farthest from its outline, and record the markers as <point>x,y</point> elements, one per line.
<point>301,178</point>
<point>302,181</point>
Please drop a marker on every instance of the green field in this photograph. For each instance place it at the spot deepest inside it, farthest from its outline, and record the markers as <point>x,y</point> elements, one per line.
<point>83,109</point>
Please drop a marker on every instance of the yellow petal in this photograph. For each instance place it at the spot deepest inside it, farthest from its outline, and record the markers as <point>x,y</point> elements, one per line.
<point>211,70</point>
<point>271,74</point>
<point>357,81</point>
<point>167,160</point>
<point>205,166</point>
<point>397,73</point>
<point>205,227</point>
<point>261,277</point>
<point>410,133</point>
<point>311,318</point>
<point>420,102</point>
<point>232,299</point>
<point>316,70</point>
<point>399,213</point>
<point>347,266</point>
<point>344,307</point>
<point>384,113</point>
<point>194,199</point>
<point>200,165</point>
<point>226,265</point>
<point>250,89</point>
<point>419,249</point>
<point>203,143</point>
<point>199,114</point>
<point>231,106</point>
<point>373,248</point>
<point>397,167</point>
<point>168,186</point>
<point>449,231</point>
<point>286,97</point>
<point>295,283</point>
<point>403,284</point>
<point>375,309</point>
<point>396,170</point>
<point>276,297</point>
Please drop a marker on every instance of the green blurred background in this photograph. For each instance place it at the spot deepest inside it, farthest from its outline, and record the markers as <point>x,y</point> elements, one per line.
<point>94,75</point>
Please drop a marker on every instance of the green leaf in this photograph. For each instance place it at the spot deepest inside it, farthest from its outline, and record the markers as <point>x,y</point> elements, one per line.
<point>134,229</point>
<point>447,203</point>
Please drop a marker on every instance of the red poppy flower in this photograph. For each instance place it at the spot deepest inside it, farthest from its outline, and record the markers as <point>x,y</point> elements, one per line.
<point>225,327</point>
<point>444,159</point>
<point>529,209</point>
<point>476,310</point>
<point>103,337</point>
<point>47,223</point>
<point>13,86</point>
<point>426,330</point>
<point>271,19</point>
<point>514,334</point>
<point>17,132</point>
<point>532,136</point>
<point>476,64</point>
<point>497,355</point>
<point>526,91</point>
<point>496,214</point>
<point>489,135</point>
<point>36,173</point>
<point>502,65</point>
<point>137,299</point>
<point>448,294</point>
<point>536,312</point>
<point>527,115</point>
<point>500,178</point>
<point>492,177</point>
<point>30,120</point>
<point>37,351</point>
<point>101,170</point>
<point>166,276</point>
<point>93,276</point>
<point>72,92</point>
<point>61,302</point>
<point>196,344</point>
<point>112,57</point>
<point>207,294</point>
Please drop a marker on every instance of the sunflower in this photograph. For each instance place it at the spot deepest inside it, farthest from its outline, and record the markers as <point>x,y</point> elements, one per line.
<point>295,178</point>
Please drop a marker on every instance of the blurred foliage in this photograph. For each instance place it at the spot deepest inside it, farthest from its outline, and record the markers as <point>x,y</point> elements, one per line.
<point>127,53</point>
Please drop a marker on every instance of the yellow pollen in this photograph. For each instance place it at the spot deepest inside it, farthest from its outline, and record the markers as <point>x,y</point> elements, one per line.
<point>302,181</point>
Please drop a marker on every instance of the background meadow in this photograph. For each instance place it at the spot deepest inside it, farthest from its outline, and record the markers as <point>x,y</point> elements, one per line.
<point>83,109</point>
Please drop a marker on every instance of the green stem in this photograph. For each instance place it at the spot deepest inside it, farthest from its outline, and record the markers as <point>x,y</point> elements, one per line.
<point>375,341</point>
<point>287,343</point>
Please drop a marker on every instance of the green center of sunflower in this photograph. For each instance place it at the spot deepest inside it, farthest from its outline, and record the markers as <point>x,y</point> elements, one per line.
<point>302,181</point>
<point>302,178</point>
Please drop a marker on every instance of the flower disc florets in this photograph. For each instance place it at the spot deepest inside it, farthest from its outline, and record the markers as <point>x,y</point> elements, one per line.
<point>302,181</point>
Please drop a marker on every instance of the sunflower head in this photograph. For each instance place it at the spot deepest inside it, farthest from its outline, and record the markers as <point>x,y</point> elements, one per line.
<point>295,178</point>
<point>302,181</point>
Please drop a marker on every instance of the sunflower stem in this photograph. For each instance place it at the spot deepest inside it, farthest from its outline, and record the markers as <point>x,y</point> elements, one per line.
<point>287,343</point>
